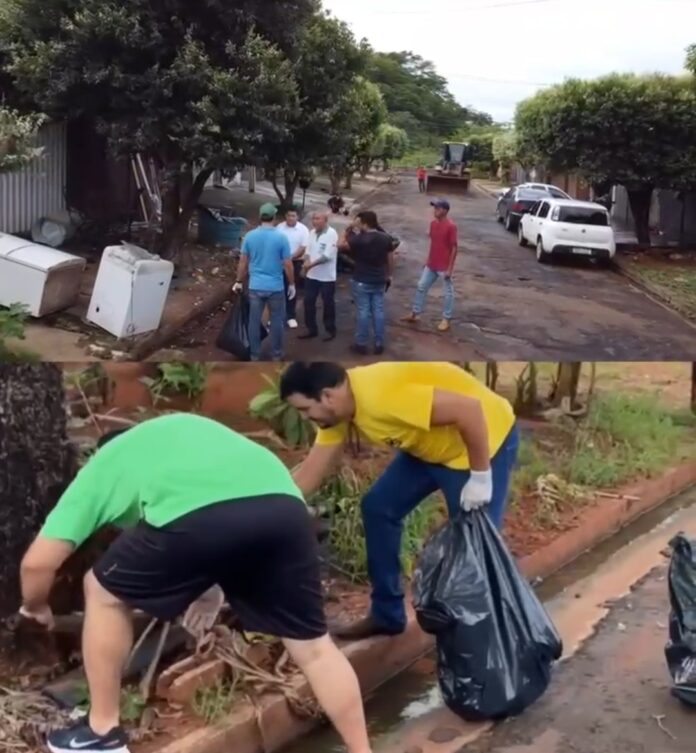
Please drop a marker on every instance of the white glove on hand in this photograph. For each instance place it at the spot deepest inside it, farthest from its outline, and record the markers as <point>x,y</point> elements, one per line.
<point>477,491</point>
<point>292,292</point>
<point>201,616</point>
<point>237,287</point>
<point>43,616</point>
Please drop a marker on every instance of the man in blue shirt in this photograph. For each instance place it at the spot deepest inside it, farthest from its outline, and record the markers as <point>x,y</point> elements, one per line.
<point>265,260</point>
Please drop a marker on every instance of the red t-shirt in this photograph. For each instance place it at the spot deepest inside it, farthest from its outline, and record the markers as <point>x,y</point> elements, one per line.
<point>443,239</point>
<point>422,173</point>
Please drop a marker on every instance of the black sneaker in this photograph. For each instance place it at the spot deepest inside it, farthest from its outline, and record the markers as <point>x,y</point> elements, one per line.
<point>80,737</point>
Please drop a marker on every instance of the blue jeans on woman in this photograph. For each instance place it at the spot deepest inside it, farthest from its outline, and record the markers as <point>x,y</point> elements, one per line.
<point>427,279</point>
<point>258,300</point>
<point>401,488</point>
<point>369,304</point>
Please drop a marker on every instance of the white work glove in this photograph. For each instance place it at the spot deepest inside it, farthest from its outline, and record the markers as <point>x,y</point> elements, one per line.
<point>201,616</point>
<point>237,287</point>
<point>292,292</point>
<point>477,491</point>
<point>43,616</point>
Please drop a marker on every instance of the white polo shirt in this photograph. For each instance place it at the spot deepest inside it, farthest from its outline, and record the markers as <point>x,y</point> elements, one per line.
<point>325,244</point>
<point>298,236</point>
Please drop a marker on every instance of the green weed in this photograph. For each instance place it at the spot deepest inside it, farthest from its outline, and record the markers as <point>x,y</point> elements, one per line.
<point>213,703</point>
<point>178,378</point>
<point>12,326</point>
<point>287,422</point>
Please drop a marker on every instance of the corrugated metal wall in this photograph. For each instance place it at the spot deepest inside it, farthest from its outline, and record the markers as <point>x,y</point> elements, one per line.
<point>39,190</point>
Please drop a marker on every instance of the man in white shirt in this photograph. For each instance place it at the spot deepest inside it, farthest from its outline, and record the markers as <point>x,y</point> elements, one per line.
<point>320,275</point>
<point>298,238</point>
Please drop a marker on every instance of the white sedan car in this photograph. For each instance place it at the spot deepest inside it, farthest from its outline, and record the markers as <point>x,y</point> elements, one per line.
<point>566,227</point>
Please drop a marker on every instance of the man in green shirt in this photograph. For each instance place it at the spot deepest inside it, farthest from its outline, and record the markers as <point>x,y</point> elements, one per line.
<point>208,515</point>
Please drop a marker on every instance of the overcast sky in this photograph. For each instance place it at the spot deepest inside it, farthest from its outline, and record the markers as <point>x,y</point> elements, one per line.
<point>534,42</point>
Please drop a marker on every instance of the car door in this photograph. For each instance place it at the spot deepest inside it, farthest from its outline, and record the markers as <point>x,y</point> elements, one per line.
<point>529,221</point>
<point>540,220</point>
<point>503,202</point>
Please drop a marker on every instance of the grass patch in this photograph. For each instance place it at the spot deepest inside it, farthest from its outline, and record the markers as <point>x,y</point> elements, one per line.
<point>341,498</point>
<point>625,436</point>
<point>673,282</point>
<point>215,702</point>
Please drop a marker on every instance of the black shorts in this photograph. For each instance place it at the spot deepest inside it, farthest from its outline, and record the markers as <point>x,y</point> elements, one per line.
<point>262,551</point>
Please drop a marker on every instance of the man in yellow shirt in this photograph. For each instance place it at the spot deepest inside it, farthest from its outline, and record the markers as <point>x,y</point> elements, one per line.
<point>450,432</point>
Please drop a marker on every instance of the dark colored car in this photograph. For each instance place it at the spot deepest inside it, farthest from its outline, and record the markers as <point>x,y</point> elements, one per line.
<point>516,202</point>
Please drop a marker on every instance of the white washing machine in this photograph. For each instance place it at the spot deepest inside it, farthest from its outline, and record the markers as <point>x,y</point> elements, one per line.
<point>42,279</point>
<point>130,291</point>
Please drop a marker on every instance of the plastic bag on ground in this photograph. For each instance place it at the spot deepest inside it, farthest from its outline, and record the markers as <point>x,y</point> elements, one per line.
<point>495,642</point>
<point>680,652</point>
<point>234,335</point>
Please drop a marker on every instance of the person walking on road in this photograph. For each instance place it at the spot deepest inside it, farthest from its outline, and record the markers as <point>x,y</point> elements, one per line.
<point>298,238</point>
<point>440,264</point>
<point>422,175</point>
<point>449,431</point>
<point>266,260</point>
<point>320,272</point>
<point>372,254</point>
<point>208,516</point>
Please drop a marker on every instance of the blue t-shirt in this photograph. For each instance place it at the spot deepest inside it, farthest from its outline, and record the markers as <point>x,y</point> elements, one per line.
<point>267,249</point>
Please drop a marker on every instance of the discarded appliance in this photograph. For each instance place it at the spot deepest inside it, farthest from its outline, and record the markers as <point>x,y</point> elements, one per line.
<point>42,279</point>
<point>130,291</point>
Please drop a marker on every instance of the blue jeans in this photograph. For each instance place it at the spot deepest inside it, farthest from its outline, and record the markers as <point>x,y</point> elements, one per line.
<point>258,300</point>
<point>369,303</point>
<point>427,279</point>
<point>407,482</point>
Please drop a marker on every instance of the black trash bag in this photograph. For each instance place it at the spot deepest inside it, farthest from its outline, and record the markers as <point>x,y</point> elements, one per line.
<point>495,642</point>
<point>234,335</point>
<point>680,652</point>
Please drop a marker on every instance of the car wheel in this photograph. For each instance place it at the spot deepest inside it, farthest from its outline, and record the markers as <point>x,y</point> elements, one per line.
<point>509,223</point>
<point>520,236</point>
<point>542,256</point>
<point>498,217</point>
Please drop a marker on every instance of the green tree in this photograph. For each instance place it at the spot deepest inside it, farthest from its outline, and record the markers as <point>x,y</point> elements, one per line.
<point>390,144</point>
<point>17,139</point>
<point>635,131</point>
<point>191,84</point>
<point>327,64</point>
<point>506,153</point>
<point>418,98</point>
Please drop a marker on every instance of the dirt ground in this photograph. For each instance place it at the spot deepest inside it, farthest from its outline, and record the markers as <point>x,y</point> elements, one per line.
<point>508,306</point>
<point>613,695</point>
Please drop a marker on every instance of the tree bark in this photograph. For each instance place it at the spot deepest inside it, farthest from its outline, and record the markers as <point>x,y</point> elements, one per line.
<point>640,200</point>
<point>566,384</point>
<point>693,386</point>
<point>37,462</point>
<point>348,185</point>
<point>292,178</point>
<point>335,176</point>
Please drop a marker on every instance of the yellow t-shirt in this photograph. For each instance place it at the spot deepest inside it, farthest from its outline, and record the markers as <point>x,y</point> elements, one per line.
<point>394,404</point>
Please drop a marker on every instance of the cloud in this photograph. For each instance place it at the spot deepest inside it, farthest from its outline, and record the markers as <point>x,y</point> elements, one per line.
<point>539,43</point>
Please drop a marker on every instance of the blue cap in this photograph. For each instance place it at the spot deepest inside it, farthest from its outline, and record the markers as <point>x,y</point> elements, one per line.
<point>440,204</point>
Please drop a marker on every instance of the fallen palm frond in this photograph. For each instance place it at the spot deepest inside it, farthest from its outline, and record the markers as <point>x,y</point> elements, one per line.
<point>25,720</point>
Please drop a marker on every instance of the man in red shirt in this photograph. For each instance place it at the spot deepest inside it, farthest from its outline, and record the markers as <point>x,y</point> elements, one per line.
<point>440,263</point>
<point>422,175</point>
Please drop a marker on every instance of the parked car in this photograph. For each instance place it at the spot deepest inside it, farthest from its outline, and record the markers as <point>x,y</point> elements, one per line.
<point>554,191</point>
<point>567,227</point>
<point>515,203</point>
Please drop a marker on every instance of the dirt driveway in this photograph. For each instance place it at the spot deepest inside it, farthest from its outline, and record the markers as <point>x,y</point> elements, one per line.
<point>509,307</point>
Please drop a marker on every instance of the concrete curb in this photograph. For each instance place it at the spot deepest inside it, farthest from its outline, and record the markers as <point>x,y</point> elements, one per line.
<point>649,291</point>
<point>377,660</point>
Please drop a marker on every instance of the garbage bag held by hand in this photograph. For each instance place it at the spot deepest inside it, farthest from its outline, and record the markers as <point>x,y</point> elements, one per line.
<point>495,642</point>
<point>234,335</point>
<point>680,652</point>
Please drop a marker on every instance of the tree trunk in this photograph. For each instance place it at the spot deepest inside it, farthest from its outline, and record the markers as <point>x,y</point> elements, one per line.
<point>292,178</point>
<point>348,185</point>
<point>566,384</point>
<point>365,166</point>
<point>37,462</point>
<point>640,201</point>
<point>335,176</point>
<point>693,386</point>
<point>185,197</point>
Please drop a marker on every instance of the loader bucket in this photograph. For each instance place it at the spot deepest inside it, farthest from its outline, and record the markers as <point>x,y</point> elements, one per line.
<point>448,185</point>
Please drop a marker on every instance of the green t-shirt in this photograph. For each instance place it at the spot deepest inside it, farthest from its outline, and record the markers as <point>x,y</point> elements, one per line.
<point>161,470</point>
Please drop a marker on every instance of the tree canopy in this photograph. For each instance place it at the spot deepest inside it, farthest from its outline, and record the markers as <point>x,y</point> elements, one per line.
<point>636,131</point>
<point>17,139</point>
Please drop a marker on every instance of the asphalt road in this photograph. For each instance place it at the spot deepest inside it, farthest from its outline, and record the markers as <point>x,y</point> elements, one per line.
<point>509,307</point>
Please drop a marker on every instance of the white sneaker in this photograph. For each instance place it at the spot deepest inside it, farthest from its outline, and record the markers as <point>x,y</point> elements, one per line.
<point>292,323</point>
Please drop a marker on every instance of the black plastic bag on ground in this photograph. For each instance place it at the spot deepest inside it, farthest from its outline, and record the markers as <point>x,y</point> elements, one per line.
<point>495,642</point>
<point>680,652</point>
<point>234,335</point>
